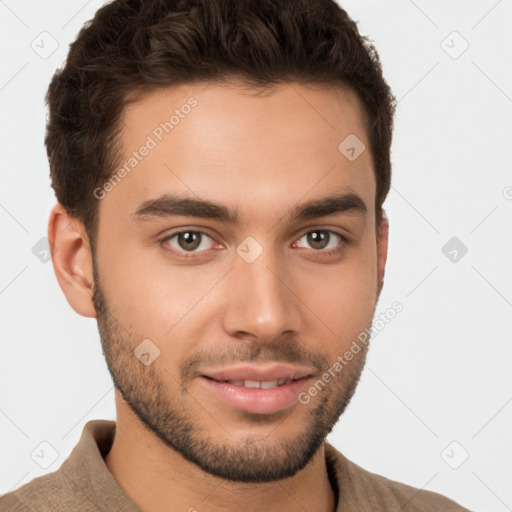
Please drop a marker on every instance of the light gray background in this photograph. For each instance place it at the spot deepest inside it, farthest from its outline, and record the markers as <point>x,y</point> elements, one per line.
<point>438,373</point>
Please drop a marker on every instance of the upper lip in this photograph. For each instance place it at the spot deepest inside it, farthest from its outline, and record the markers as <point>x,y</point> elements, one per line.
<point>260,373</point>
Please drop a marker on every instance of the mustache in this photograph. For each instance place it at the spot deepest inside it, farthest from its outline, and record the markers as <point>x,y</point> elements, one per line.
<point>284,351</point>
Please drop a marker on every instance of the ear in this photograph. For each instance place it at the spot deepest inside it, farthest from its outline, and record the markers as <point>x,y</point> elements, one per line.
<point>72,260</point>
<point>382,249</point>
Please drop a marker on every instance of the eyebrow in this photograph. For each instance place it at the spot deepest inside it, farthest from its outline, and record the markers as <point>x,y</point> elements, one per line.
<point>169,205</point>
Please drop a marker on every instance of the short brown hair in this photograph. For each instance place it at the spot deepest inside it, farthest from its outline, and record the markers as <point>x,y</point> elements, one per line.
<point>132,46</point>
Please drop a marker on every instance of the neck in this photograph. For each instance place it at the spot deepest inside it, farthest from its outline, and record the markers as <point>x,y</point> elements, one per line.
<point>156,478</point>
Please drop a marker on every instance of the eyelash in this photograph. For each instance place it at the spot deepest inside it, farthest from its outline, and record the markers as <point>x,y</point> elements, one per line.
<point>192,255</point>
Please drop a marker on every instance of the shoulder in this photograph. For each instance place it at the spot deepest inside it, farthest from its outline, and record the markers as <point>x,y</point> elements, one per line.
<point>49,492</point>
<point>369,491</point>
<point>82,482</point>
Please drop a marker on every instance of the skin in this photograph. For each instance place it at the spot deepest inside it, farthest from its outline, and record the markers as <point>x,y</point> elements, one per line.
<point>263,155</point>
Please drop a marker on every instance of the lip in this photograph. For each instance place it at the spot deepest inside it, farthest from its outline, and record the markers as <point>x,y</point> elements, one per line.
<point>257,400</point>
<point>261,373</point>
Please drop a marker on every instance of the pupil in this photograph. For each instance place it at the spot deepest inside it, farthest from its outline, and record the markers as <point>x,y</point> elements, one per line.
<point>316,239</point>
<point>190,239</point>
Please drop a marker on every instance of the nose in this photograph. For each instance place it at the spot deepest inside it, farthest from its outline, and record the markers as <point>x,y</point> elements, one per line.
<point>260,301</point>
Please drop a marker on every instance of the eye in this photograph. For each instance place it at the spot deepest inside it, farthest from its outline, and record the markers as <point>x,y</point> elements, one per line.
<point>188,241</point>
<point>322,239</point>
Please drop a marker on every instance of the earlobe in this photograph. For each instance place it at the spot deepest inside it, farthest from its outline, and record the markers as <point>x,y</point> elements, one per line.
<point>72,260</point>
<point>382,249</point>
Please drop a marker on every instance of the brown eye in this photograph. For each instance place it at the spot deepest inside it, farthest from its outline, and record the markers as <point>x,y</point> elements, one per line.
<point>321,239</point>
<point>318,239</point>
<point>188,241</point>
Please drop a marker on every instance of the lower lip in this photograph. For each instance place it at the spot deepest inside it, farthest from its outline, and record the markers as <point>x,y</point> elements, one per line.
<point>256,400</point>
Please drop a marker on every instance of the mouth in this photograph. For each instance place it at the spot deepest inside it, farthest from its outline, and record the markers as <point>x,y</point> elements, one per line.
<point>253,384</point>
<point>257,390</point>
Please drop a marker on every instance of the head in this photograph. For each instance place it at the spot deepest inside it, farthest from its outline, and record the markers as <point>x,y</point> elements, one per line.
<point>257,132</point>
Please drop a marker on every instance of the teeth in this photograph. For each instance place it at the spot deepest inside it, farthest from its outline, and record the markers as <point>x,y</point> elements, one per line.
<point>252,384</point>
<point>267,384</point>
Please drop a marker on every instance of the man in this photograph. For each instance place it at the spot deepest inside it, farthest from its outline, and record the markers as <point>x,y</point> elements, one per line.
<point>257,132</point>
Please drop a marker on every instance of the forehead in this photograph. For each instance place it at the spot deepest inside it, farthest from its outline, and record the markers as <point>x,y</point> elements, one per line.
<point>231,144</point>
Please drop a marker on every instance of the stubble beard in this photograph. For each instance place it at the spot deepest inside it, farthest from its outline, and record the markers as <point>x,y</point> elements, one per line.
<point>172,418</point>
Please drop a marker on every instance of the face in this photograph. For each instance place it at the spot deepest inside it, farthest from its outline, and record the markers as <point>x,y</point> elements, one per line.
<point>236,259</point>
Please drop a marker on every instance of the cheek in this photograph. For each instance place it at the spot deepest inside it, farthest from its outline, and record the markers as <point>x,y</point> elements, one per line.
<point>152,298</point>
<point>342,297</point>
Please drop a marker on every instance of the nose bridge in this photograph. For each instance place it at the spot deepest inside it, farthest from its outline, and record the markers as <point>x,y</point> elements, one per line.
<point>260,302</point>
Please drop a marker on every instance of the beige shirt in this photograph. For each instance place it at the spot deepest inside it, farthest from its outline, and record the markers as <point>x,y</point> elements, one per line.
<point>84,483</point>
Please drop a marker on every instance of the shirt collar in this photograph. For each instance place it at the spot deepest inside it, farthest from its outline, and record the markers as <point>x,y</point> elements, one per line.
<point>86,468</point>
